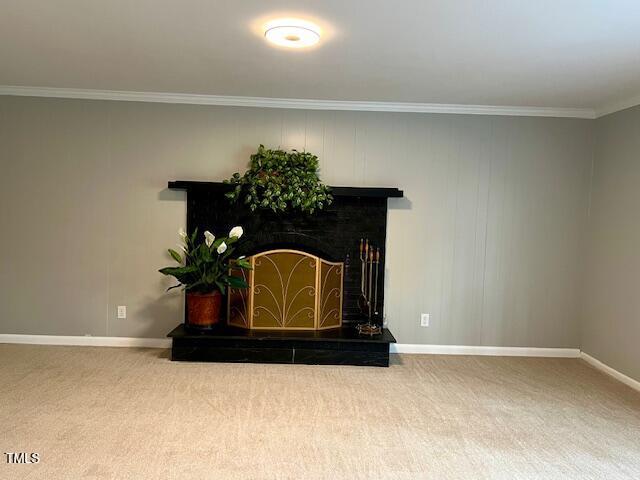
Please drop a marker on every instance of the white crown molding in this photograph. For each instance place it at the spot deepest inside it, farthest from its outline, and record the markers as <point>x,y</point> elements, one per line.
<point>485,350</point>
<point>86,341</point>
<point>235,101</point>
<point>617,106</point>
<point>610,371</point>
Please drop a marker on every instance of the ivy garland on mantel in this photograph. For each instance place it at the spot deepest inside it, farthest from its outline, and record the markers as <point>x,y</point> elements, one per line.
<point>281,181</point>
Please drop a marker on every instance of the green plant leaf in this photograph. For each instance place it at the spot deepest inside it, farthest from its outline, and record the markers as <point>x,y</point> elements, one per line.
<point>242,263</point>
<point>218,242</point>
<point>173,271</point>
<point>175,255</point>
<point>236,282</point>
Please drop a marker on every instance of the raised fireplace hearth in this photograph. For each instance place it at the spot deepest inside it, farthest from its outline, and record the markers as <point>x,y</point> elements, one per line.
<point>307,292</point>
<point>337,346</point>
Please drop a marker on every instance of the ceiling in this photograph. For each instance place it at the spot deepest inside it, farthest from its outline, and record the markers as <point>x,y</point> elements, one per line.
<point>543,53</point>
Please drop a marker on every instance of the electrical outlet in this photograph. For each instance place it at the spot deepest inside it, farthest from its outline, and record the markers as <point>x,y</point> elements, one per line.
<point>122,311</point>
<point>425,319</point>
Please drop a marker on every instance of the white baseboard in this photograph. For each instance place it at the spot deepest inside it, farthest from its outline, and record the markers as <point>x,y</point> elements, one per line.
<point>395,348</point>
<point>86,341</point>
<point>482,350</point>
<point>89,341</point>
<point>610,371</point>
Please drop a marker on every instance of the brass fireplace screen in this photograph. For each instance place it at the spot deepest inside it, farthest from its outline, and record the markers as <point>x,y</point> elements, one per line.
<point>288,290</point>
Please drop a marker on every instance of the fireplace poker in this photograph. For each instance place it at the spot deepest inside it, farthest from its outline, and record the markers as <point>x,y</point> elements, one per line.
<point>362,266</point>
<point>375,295</point>
<point>364,300</point>
<point>370,282</point>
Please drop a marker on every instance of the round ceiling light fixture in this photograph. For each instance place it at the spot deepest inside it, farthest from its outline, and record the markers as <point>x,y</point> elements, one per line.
<point>292,33</point>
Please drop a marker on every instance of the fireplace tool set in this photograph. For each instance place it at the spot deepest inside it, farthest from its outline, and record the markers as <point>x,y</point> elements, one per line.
<point>368,301</point>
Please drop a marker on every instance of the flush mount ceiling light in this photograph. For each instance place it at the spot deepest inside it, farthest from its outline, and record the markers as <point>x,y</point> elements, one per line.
<point>292,33</point>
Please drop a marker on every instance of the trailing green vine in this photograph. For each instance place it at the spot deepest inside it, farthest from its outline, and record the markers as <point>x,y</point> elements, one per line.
<point>281,181</point>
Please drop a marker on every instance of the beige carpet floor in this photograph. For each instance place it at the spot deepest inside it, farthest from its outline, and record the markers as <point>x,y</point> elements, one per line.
<point>119,413</point>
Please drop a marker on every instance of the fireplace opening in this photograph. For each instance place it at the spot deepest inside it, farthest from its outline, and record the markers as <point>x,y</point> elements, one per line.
<point>289,289</point>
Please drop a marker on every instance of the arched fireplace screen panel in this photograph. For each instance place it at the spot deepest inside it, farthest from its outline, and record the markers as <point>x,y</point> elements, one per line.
<point>288,290</point>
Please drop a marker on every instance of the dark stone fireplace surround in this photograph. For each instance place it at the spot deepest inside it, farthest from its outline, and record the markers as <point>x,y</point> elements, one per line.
<point>333,234</point>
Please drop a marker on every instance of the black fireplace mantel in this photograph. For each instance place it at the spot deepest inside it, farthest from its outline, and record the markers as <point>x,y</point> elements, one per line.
<point>373,192</point>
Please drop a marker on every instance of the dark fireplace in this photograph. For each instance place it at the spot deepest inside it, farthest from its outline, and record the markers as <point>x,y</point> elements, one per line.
<point>333,233</point>
<point>333,236</point>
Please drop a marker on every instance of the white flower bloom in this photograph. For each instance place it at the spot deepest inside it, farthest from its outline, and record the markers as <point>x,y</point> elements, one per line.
<point>209,238</point>
<point>182,233</point>
<point>241,257</point>
<point>222,248</point>
<point>236,232</point>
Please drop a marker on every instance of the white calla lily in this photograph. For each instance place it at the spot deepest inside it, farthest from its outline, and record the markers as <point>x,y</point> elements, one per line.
<point>222,248</point>
<point>236,232</point>
<point>182,233</point>
<point>209,238</point>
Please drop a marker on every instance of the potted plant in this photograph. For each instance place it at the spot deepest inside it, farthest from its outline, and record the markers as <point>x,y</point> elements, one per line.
<point>281,181</point>
<point>204,273</point>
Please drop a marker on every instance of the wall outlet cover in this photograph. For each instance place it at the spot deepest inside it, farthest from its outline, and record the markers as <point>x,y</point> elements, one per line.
<point>122,311</point>
<point>425,319</point>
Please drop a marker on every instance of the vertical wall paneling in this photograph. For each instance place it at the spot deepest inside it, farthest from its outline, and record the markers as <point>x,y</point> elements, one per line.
<point>486,239</point>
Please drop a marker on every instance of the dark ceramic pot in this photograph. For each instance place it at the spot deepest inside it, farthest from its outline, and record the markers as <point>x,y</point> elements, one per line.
<point>203,309</point>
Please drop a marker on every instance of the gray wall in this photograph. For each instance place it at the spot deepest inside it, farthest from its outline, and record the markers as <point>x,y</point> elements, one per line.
<point>488,239</point>
<point>611,330</point>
